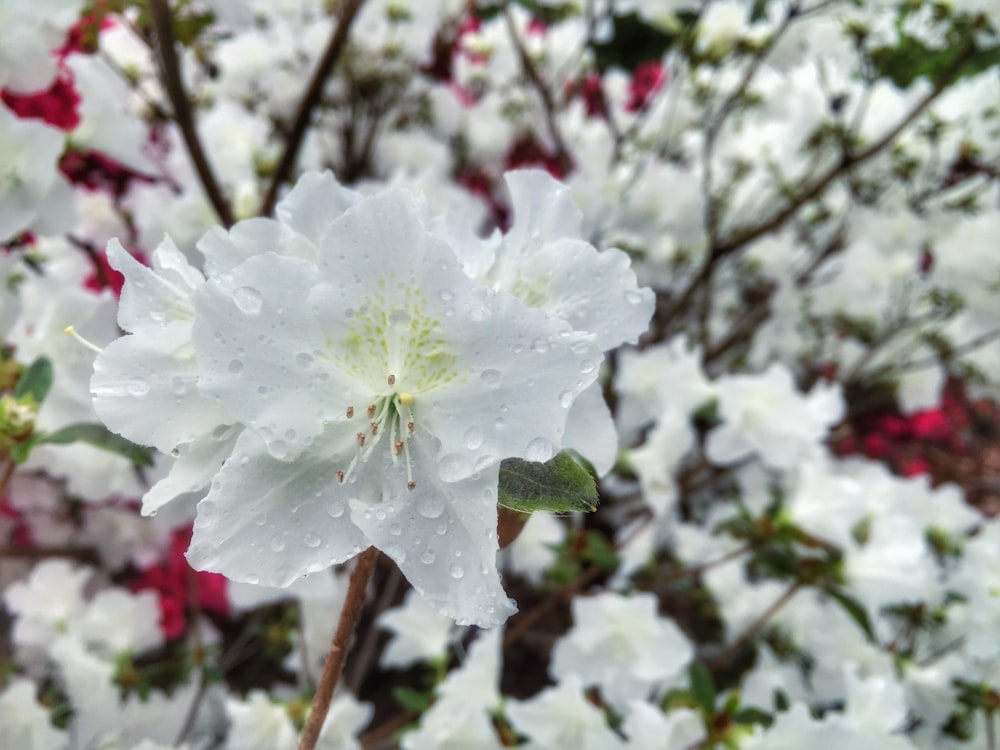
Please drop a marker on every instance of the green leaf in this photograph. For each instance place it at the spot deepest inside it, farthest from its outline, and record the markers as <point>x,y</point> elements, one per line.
<point>35,381</point>
<point>412,700</point>
<point>753,715</point>
<point>99,436</point>
<point>702,687</point>
<point>854,609</point>
<point>560,485</point>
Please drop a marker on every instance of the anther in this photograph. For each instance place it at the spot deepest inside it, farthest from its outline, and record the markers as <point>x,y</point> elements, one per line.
<point>350,412</point>
<point>411,485</point>
<point>371,411</point>
<point>71,331</point>
<point>391,380</point>
<point>410,426</point>
<point>398,447</point>
<point>340,476</point>
<point>361,439</point>
<point>374,428</point>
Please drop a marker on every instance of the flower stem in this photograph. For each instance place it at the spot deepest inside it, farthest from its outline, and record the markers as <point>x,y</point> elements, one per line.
<point>361,576</point>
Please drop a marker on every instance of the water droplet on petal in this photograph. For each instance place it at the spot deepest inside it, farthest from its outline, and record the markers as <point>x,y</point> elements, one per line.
<point>446,295</point>
<point>278,543</point>
<point>278,449</point>
<point>473,438</point>
<point>336,509</point>
<point>538,449</point>
<point>248,299</point>
<point>312,540</point>
<point>399,317</point>
<point>429,505</point>
<point>395,529</point>
<point>453,467</point>
<point>303,360</point>
<point>137,387</point>
<point>428,556</point>
<point>566,399</point>
<point>456,571</point>
<point>235,366</point>
<point>633,297</point>
<point>540,345</point>
<point>492,378</point>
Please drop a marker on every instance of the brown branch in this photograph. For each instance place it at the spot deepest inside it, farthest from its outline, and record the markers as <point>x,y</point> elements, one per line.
<point>548,104</point>
<point>170,75</point>
<point>334,49</point>
<point>727,653</point>
<point>357,589</point>
<point>809,191</point>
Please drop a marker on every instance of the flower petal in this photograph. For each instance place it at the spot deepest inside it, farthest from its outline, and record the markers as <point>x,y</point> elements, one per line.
<point>267,521</point>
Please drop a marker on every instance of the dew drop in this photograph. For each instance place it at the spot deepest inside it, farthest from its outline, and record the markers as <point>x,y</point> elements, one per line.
<point>235,366</point>
<point>428,556</point>
<point>587,365</point>
<point>633,298</point>
<point>453,467</point>
<point>446,295</point>
<point>260,519</point>
<point>336,509</point>
<point>290,434</point>
<point>566,399</point>
<point>499,424</point>
<point>473,438</point>
<point>580,347</point>
<point>303,360</point>
<point>538,449</point>
<point>137,387</point>
<point>492,378</point>
<point>252,580</point>
<point>540,345</point>
<point>395,529</point>
<point>456,571</point>
<point>248,299</point>
<point>441,529</point>
<point>399,317</point>
<point>278,449</point>
<point>429,505</point>
<point>278,543</point>
<point>312,540</point>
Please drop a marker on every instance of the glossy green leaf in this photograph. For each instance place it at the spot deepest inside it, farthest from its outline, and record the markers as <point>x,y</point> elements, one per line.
<point>560,485</point>
<point>99,436</point>
<point>35,381</point>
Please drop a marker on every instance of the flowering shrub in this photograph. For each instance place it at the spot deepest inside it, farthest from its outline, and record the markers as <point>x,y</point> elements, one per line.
<point>499,374</point>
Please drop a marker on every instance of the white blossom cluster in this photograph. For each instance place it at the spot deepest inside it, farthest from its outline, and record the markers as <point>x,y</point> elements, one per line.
<point>688,243</point>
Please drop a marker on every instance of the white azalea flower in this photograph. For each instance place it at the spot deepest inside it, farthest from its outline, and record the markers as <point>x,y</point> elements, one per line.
<point>381,387</point>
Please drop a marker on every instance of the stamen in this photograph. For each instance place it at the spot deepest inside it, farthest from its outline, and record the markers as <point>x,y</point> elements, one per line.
<point>340,476</point>
<point>371,411</point>
<point>411,485</point>
<point>398,447</point>
<point>374,428</point>
<point>350,412</point>
<point>391,380</point>
<point>361,439</point>
<point>410,426</point>
<point>72,332</point>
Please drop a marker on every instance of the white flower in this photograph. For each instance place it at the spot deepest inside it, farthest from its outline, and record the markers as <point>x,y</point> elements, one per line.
<point>30,32</point>
<point>611,643</point>
<point>33,194</point>
<point>560,718</point>
<point>47,603</point>
<point>23,723</point>
<point>259,724</point>
<point>419,633</point>
<point>765,415</point>
<point>648,728</point>
<point>381,388</point>
<point>118,621</point>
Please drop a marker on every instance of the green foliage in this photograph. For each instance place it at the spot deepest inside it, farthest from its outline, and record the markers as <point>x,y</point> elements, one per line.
<point>35,382</point>
<point>560,485</point>
<point>98,436</point>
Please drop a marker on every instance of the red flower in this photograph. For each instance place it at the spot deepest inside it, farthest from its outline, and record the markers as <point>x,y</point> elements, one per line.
<point>647,79</point>
<point>58,105</point>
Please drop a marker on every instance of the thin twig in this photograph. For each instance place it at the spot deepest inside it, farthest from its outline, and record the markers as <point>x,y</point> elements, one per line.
<point>357,589</point>
<point>809,191</point>
<point>754,627</point>
<point>529,70</point>
<point>170,73</point>
<point>334,49</point>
